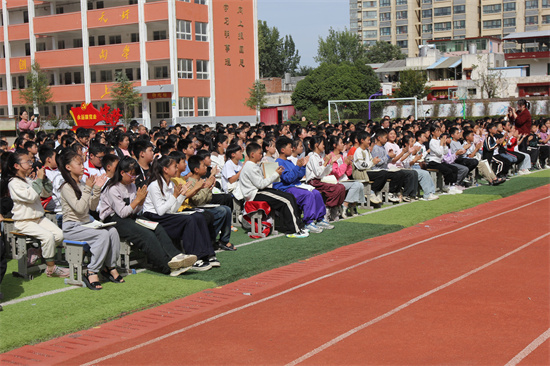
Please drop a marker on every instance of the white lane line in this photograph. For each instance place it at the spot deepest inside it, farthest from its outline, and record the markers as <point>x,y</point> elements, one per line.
<point>409,303</point>
<point>42,294</point>
<point>157,339</point>
<point>530,348</point>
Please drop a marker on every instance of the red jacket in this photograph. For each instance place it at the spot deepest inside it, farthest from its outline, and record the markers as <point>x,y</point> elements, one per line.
<point>523,122</point>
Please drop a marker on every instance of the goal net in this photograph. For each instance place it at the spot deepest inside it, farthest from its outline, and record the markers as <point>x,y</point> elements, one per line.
<point>375,109</point>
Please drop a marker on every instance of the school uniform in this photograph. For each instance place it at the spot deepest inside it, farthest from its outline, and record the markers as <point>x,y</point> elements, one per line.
<point>335,194</point>
<point>435,161</point>
<point>342,172</point>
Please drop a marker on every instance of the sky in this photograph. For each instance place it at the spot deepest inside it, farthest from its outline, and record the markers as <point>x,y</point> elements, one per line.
<point>305,21</point>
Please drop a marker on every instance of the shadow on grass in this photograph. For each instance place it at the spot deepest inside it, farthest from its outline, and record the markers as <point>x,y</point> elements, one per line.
<point>263,256</point>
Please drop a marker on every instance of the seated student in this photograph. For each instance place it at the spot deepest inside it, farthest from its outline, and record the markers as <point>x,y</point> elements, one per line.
<point>310,202</point>
<point>77,200</point>
<point>219,198</point>
<point>252,186</point>
<point>110,163</point>
<point>342,169</point>
<point>47,157</point>
<point>472,155</point>
<point>28,213</point>
<point>318,167</point>
<point>297,151</point>
<point>162,204</point>
<point>219,145</point>
<point>490,145</point>
<point>449,158</point>
<point>187,147</point>
<point>411,162</point>
<point>93,166</point>
<point>32,150</point>
<point>363,161</point>
<point>232,169</point>
<point>269,149</point>
<point>513,141</point>
<point>143,153</point>
<point>121,202</point>
<point>406,179</point>
<point>438,149</point>
<point>221,213</point>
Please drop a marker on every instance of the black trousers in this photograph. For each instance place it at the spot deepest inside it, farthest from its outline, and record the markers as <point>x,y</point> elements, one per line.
<point>379,179</point>
<point>224,199</point>
<point>469,163</point>
<point>450,173</point>
<point>284,208</point>
<point>501,166</point>
<point>544,154</point>
<point>157,245</point>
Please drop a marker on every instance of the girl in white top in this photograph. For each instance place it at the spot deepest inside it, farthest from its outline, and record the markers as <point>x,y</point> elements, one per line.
<point>28,213</point>
<point>220,144</point>
<point>396,153</point>
<point>232,168</point>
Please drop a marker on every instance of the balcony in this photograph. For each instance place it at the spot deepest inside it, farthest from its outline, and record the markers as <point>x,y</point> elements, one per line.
<point>18,32</point>
<point>157,50</point>
<point>68,93</point>
<point>156,11</point>
<point>58,23</point>
<point>114,54</point>
<point>192,11</point>
<point>111,17</point>
<point>193,49</point>
<point>194,87</point>
<point>60,58</point>
<point>3,97</point>
<point>2,66</point>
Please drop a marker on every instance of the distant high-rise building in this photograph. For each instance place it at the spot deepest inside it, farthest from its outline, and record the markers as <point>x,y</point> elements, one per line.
<point>410,23</point>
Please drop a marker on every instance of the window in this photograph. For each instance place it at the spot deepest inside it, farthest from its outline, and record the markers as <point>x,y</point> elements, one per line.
<point>369,43</point>
<point>426,1</point>
<point>132,2</point>
<point>369,14</point>
<point>183,30</point>
<point>385,17</point>
<point>509,6</point>
<point>385,3</point>
<point>77,43</point>
<point>61,45</point>
<point>459,9</point>
<point>77,78</point>
<point>186,1</point>
<point>105,76</point>
<point>100,40</point>
<point>509,22</point>
<point>25,16</point>
<point>400,2</point>
<point>532,4</point>
<point>91,41</point>
<point>115,39</point>
<point>159,35</point>
<point>401,15</point>
<point>92,77</point>
<point>527,69</point>
<point>203,106</point>
<point>459,24</point>
<point>163,109</point>
<point>489,24</point>
<point>402,44</point>
<point>490,9</point>
<point>370,23</point>
<point>161,72</point>
<point>202,69</point>
<point>187,107</point>
<point>134,37</point>
<point>369,4</point>
<point>386,31</point>
<point>129,74</point>
<point>445,26</point>
<point>370,34</point>
<point>546,19</point>
<point>201,2</point>
<point>546,3</point>
<point>402,29</point>
<point>427,13</point>
<point>185,69</point>
<point>532,20</point>
<point>201,31</point>
<point>442,11</point>
<point>99,5</point>
<point>426,28</point>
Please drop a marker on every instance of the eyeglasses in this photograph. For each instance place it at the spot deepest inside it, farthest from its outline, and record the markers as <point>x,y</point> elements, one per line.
<point>131,176</point>
<point>30,162</point>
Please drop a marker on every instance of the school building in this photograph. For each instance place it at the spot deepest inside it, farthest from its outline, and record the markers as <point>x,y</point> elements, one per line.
<point>193,61</point>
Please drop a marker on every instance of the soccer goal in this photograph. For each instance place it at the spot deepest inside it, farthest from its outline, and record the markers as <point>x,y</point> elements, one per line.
<point>387,106</point>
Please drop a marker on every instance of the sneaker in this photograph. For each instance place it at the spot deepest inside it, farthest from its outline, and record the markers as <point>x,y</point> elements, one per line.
<point>375,199</point>
<point>314,228</point>
<point>298,235</point>
<point>324,224</point>
<point>393,198</point>
<point>445,188</point>
<point>234,229</point>
<point>546,166</point>
<point>176,272</point>
<point>459,187</point>
<point>58,272</point>
<point>182,260</point>
<point>454,190</point>
<point>523,172</point>
<point>407,199</point>
<point>201,266</point>
<point>214,262</point>
<point>431,197</point>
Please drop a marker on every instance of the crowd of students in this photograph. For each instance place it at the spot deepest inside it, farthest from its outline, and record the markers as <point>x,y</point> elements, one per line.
<point>186,181</point>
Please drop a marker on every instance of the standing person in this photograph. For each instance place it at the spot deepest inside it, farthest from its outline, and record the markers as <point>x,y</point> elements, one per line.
<point>121,201</point>
<point>25,125</point>
<point>522,120</point>
<point>28,213</point>
<point>77,199</point>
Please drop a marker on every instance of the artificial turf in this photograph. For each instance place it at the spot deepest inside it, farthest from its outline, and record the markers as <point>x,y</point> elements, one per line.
<point>40,319</point>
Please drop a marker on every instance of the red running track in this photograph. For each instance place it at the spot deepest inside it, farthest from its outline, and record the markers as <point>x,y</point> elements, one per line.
<point>466,288</point>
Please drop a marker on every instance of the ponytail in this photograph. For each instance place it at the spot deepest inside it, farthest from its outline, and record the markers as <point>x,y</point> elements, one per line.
<point>64,158</point>
<point>157,169</point>
<point>9,160</point>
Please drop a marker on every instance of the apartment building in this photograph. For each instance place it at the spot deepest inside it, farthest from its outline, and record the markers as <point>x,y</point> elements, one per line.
<point>411,23</point>
<point>192,60</point>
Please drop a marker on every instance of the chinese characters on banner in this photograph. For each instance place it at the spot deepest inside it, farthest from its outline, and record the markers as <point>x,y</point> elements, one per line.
<point>234,39</point>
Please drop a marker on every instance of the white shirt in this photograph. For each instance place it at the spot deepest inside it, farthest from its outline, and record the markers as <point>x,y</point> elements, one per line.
<point>315,168</point>
<point>164,202</point>
<point>251,180</point>
<point>437,152</point>
<point>229,170</point>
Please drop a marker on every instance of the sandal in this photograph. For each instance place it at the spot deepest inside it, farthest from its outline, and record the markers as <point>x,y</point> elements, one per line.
<point>96,286</point>
<point>106,272</point>
<point>227,246</point>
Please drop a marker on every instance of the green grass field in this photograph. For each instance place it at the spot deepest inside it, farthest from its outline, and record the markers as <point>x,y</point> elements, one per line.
<point>43,318</point>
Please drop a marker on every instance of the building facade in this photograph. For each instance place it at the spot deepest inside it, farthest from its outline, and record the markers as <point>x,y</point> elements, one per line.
<point>410,23</point>
<point>192,60</point>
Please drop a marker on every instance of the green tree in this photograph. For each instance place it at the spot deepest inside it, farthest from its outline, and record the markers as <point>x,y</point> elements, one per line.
<point>412,83</point>
<point>335,82</point>
<point>381,52</point>
<point>257,97</point>
<point>304,71</point>
<point>38,92</point>
<point>277,55</point>
<point>125,96</point>
<point>340,47</point>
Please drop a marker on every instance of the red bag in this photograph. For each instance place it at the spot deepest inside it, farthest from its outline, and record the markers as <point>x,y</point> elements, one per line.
<point>265,226</point>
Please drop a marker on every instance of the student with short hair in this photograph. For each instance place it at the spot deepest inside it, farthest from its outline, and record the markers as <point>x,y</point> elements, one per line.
<point>143,153</point>
<point>363,161</point>
<point>93,165</point>
<point>490,145</point>
<point>232,168</point>
<point>438,149</point>
<point>252,186</point>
